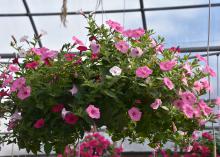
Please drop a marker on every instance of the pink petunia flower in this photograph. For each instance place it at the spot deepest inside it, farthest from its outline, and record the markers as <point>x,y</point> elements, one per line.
<point>31,65</point>
<point>168,83</point>
<point>156,104</point>
<point>178,104</point>
<point>136,52</point>
<point>57,108</point>
<point>188,68</point>
<point>24,92</point>
<point>71,118</point>
<point>115,26</point>
<point>207,135</point>
<point>13,68</point>
<point>200,58</point>
<point>93,112</point>
<point>198,86</point>
<point>95,48</point>
<point>50,54</point>
<point>74,90</point>
<point>188,97</point>
<point>17,84</point>
<point>122,46</point>
<point>82,48</point>
<point>135,33</point>
<point>39,123</point>
<point>188,111</point>
<point>135,114</point>
<point>77,41</point>
<point>205,83</point>
<point>209,70</point>
<point>69,56</point>
<point>217,101</point>
<point>167,65</point>
<point>143,72</point>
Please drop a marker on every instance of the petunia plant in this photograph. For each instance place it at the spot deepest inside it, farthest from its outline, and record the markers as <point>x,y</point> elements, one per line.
<point>124,80</point>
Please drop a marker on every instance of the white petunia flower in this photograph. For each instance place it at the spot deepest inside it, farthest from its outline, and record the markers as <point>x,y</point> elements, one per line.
<point>115,71</point>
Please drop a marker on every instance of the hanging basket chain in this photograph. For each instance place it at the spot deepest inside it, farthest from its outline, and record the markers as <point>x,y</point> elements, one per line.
<point>63,14</point>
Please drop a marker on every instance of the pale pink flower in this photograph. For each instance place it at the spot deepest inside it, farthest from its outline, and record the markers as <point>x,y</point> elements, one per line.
<point>167,65</point>
<point>64,112</point>
<point>24,92</point>
<point>198,86</point>
<point>205,83</point>
<point>153,43</point>
<point>77,41</point>
<point>115,71</point>
<point>184,80</point>
<point>189,148</point>
<point>15,116</point>
<point>188,68</point>
<point>136,52</point>
<point>8,79</point>
<point>202,122</point>
<point>24,38</point>
<point>195,135</point>
<point>188,111</point>
<point>200,58</point>
<point>156,104</point>
<point>95,47</point>
<point>135,114</point>
<point>188,97</point>
<point>143,72</point>
<point>122,46</point>
<point>115,26</point>
<point>74,90</point>
<point>159,49</point>
<point>13,68</point>
<point>168,83</point>
<point>93,112</point>
<point>209,70</point>
<point>217,101</point>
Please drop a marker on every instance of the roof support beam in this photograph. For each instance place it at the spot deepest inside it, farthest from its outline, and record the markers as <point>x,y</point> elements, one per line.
<point>32,21</point>
<point>114,11</point>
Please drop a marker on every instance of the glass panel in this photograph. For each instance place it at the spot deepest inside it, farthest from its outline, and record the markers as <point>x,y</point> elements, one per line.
<point>15,6</point>
<point>57,34</point>
<point>215,29</point>
<point>180,27</point>
<point>7,28</point>
<point>76,5</point>
<point>162,3</point>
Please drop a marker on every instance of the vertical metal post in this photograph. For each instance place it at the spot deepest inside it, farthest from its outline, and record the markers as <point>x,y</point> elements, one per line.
<point>143,14</point>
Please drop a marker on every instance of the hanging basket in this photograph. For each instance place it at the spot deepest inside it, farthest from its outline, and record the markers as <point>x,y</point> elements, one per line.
<point>124,79</point>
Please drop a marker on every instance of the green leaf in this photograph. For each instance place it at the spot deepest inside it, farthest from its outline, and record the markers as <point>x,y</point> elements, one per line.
<point>47,148</point>
<point>165,108</point>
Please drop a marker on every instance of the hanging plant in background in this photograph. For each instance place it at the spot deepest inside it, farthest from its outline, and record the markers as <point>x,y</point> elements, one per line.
<point>124,80</point>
